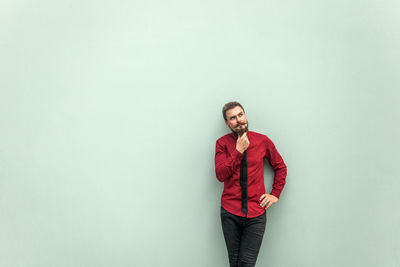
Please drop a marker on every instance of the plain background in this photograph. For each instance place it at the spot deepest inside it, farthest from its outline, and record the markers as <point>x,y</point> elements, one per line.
<point>110,111</point>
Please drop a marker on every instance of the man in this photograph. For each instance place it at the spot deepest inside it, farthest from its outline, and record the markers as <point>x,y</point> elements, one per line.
<point>239,164</point>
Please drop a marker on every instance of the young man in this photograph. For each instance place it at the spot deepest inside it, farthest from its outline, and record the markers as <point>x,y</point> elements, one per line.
<point>239,164</point>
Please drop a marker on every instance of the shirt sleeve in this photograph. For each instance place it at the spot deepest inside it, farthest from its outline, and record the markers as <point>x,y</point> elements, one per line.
<point>279,167</point>
<point>226,162</point>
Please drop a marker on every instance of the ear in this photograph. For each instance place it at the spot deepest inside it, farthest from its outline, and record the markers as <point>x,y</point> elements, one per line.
<point>226,123</point>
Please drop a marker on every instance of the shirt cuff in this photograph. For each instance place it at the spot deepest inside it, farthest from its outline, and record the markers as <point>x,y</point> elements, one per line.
<point>236,155</point>
<point>275,193</point>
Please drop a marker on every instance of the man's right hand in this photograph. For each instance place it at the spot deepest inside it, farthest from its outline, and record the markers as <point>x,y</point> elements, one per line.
<point>242,143</point>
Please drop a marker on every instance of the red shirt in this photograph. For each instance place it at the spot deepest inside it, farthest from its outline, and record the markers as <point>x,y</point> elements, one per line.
<point>227,169</point>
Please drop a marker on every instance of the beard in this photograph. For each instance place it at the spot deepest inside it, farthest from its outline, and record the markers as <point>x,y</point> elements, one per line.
<point>239,131</point>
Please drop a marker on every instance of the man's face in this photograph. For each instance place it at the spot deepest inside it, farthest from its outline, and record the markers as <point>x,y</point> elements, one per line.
<point>236,120</point>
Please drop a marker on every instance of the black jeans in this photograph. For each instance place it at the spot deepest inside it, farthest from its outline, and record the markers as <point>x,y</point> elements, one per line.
<point>243,237</point>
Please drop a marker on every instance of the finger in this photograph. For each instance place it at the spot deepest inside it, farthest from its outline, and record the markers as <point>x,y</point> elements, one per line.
<point>262,197</point>
<point>264,202</point>
<point>269,205</point>
<point>244,135</point>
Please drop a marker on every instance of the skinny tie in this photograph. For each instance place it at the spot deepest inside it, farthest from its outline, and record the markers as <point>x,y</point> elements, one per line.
<point>243,182</point>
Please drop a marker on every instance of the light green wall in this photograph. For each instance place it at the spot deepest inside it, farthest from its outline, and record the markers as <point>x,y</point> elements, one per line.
<point>109,113</point>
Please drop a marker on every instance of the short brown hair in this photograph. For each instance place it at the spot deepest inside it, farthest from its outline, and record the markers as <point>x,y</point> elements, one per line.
<point>229,106</point>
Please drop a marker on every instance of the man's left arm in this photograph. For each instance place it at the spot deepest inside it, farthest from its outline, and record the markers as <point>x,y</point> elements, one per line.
<point>279,167</point>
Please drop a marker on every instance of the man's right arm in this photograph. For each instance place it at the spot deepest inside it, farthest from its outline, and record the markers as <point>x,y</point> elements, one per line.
<point>226,162</point>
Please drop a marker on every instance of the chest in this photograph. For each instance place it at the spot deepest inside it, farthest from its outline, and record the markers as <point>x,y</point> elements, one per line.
<point>255,152</point>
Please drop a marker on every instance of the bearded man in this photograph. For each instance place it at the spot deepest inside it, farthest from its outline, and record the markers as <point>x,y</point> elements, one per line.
<point>239,164</point>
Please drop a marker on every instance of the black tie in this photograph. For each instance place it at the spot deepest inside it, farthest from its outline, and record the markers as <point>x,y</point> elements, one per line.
<point>243,182</point>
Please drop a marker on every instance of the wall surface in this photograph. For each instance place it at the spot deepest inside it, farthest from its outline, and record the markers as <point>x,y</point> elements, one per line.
<point>109,113</point>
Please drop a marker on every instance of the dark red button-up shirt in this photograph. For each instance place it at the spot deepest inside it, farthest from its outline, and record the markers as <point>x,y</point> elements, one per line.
<point>227,169</point>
